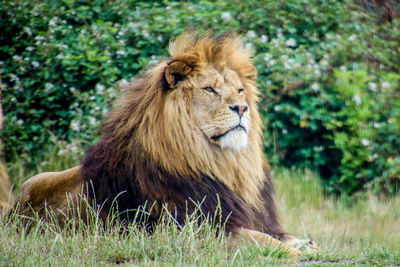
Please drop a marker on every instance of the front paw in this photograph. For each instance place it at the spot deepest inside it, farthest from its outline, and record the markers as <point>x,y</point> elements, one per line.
<point>304,245</point>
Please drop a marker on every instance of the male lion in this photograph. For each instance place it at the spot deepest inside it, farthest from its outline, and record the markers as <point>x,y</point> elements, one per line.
<point>186,131</point>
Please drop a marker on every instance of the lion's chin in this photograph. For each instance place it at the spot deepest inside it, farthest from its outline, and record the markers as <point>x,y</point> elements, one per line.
<point>235,139</point>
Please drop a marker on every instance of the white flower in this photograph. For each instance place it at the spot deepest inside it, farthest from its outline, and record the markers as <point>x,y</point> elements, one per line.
<point>251,34</point>
<point>44,163</point>
<point>121,52</point>
<point>225,15</point>
<point>267,57</point>
<point>28,31</point>
<point>279,32</point>
<point>30,49</point>
<point>268,82</point>
<point>357,99</point>
<point>75,126</point>
<point>291,42</point>
<point>160,38</point>
<point>324,63</point>
<point>17,58</point>
<point>284,131</point>
<point>52,22</point>
<point>317,72</point>
<point>372,157</point>
<point>377,125</point>
<point>123,82</point>
<point>73,148</point>
<point>39,38</point>
<point>343,68</point>
<point>14,78</point>
<point>248,46</point>
<point>100,88</point>
<point>315,87</point>
<point>277,108</point>
<point>287,65</point>
<point>372,86</point>
<point>352,37</point>
<point>264,39</point>
<point>145,34</point>
<point>35,64</point>
<point>92,121</point>
<point>385,84</point>
<point>284,57</point>
<point>48,87</point>
<point>20,122</point>
<point>271,63</point>
<point>364,142</point>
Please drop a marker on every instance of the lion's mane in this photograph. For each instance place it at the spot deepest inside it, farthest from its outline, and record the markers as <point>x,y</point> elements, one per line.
<point>150,150</point>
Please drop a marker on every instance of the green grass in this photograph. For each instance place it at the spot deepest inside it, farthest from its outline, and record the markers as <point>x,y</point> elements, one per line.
<point>363,232</point>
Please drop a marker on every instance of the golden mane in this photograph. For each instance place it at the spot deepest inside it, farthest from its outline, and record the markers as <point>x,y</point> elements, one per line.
<point>167,131</point>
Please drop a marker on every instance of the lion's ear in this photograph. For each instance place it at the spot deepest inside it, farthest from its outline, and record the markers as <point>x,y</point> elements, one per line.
<point>176,71</point>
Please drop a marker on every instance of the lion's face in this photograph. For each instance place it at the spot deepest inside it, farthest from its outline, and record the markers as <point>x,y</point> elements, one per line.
<point>220,108</point>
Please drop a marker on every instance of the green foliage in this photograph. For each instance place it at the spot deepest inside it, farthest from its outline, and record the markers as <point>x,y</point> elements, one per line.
<point>367,132</point>
<point>329,74</point>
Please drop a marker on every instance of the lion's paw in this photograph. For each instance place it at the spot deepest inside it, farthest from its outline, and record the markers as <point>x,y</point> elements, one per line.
<point>304,245</point>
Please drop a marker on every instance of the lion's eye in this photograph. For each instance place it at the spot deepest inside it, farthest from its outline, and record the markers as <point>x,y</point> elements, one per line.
<point>240,91</point>
<point>210,90</point>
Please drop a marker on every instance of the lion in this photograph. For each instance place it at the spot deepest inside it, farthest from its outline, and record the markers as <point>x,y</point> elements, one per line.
<point>185,132</point>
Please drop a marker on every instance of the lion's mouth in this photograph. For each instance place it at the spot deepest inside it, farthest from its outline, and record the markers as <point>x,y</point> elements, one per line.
<point>237,127</point>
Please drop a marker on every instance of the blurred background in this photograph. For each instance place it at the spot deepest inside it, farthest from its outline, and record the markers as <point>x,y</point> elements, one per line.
<point>328,71</point>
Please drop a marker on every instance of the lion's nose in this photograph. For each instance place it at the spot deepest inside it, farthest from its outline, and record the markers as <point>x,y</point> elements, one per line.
<point>239,109</point>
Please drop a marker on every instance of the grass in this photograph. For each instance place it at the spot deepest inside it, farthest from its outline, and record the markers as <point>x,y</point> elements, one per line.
<point>362,232</point>
<point>365,231</point>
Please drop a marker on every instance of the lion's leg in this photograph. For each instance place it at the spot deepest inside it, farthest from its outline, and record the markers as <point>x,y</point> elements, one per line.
<point>265,240</point>
<point>306,245</point>
<point>49,190</point>
<point>5,193</point>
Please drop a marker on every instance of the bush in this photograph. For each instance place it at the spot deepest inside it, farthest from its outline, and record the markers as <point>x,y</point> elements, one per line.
<point>329,74</point>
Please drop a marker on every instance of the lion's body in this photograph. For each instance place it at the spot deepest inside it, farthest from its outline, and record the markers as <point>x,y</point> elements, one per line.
<point>51,188</point>
<point>186,132</point>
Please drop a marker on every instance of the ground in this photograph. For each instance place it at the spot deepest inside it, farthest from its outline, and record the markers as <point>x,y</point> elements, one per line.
<point>349,232</point>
